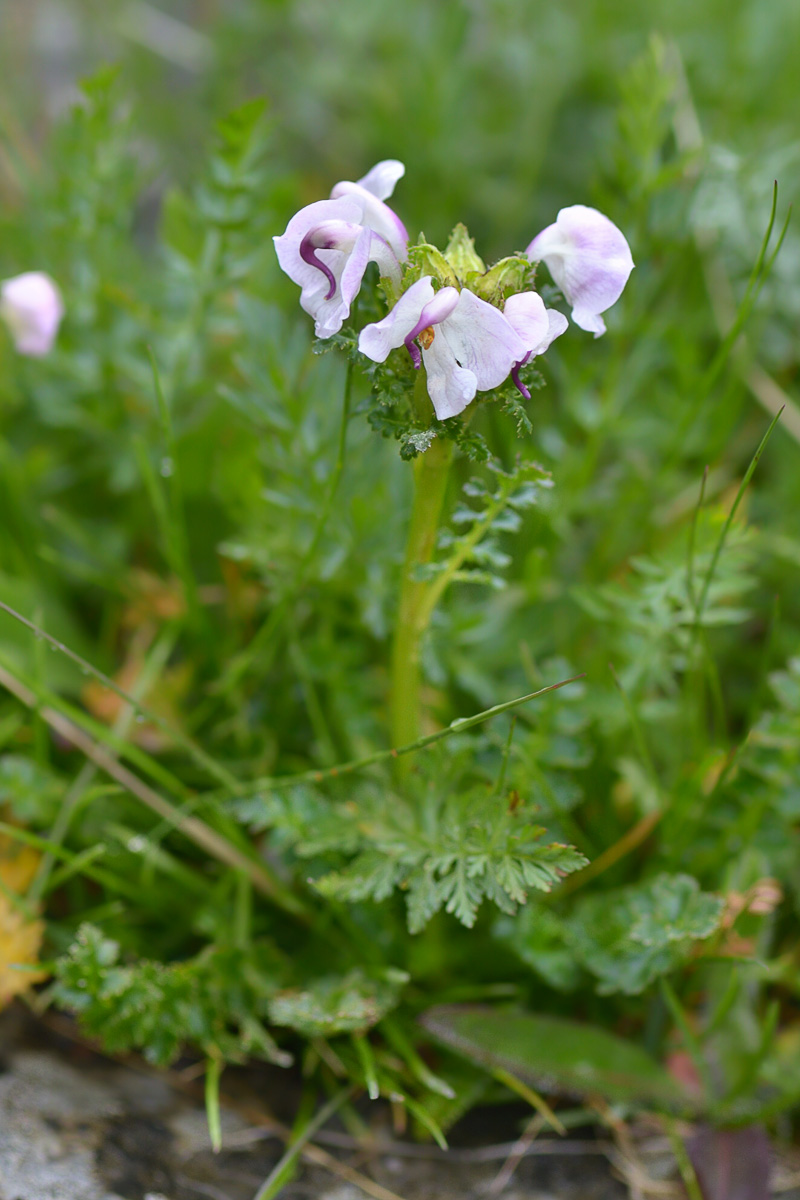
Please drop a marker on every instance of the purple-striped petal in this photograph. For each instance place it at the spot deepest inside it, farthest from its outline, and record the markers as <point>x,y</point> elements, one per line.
<point>32,308</point>
<point>287,245</point>
<point>325,249</point>
<point>330,235</point>
<point>347,268</point>
<point>589,259</point>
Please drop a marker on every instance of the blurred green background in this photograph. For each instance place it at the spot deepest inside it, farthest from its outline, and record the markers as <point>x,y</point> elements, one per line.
<point>503,109</point>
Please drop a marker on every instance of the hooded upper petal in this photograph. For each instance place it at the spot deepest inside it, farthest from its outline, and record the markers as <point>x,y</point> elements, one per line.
<point>32,307</point>
<point>418,309</point>
<point>288,244</point>
<point>589,259</point>
<point>372,190</point>
<point>380,181</point>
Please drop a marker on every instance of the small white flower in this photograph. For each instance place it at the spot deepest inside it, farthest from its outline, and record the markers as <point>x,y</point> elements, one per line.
<point>467,345</point>
<point>589,260</point>
<point>32,308</point>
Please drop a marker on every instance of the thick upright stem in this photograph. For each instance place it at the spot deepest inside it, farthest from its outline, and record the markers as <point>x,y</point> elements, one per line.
<point>430,483</point>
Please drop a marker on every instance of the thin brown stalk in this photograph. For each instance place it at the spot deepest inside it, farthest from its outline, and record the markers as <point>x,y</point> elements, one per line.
<point>637,834</point>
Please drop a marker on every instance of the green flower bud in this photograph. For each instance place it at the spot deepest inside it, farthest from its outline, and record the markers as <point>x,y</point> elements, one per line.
<point>461,255</point>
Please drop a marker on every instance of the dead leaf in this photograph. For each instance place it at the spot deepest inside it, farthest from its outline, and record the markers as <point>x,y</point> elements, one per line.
<point>20,937</point>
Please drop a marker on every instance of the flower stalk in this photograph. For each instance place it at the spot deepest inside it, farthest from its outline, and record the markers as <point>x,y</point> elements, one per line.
<point>431,471</point>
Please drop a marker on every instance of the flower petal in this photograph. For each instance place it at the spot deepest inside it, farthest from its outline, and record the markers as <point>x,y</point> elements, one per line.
<point>527,316</point>
<point>381,180</point>
<point>380,338</point>
<point>537,326</point>
<point>451,387</point>
<point>325,249</point>
<point>330,235</point>
<point>482,341</point>
<point>589,259</point>
<point>557,324</point>
<point>287,245</point>
<point>32,307</point>
<point>376,216</point>
<point>435,311</point>
<point>330,312</point>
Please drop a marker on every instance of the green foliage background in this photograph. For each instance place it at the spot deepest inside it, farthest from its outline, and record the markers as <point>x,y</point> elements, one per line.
<point>164,534</point>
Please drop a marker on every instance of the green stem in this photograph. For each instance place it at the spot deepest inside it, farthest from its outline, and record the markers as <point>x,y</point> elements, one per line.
<point>442,581</point>
<point>460,725</point>
<point>413,615</point>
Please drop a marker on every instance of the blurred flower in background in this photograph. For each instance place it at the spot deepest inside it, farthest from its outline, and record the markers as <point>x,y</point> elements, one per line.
<point>32,308</point>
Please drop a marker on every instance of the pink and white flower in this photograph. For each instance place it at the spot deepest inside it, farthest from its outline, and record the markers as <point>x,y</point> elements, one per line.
<point>466,345</point>
<point>32,308</point>
<point>589,259</point>
<point>327,245</point>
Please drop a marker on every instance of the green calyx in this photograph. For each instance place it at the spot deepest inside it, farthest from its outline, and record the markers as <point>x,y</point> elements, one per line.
<point>509,275</point>
<point>461,254</point>
<point>426,259</point>
<point>460,266</point>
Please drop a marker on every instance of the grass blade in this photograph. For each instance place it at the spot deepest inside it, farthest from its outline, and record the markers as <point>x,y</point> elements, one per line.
<point>191,827</point>
<point>748,475</point>
<point>284,1168</point>
<point>195,751</point>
